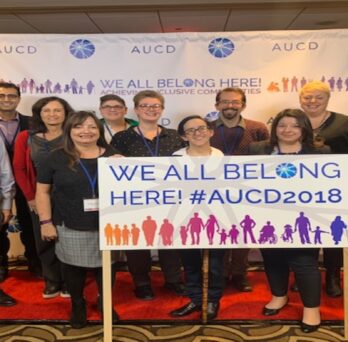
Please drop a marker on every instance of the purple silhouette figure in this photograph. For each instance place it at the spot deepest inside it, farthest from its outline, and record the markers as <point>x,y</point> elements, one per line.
<point>233,234</point>
<point>183,234</point>
<point>287,234</point>
<point>303,81</point>
<point>31,85</point>
<point>195,226</point>
<point>248,224</point>
<point>267,234</point>
<point>223,236</point>
<point>166,233</point>
<point>210,225</point>
<point>346,83</point>
<point>303,225</point>
<point>317,235</point>
<point>337,227</point>
<point>294,81</point>
<point>331,82</point>
<point>90,87</point>
<point>339,84</point>
<point>74,86</point>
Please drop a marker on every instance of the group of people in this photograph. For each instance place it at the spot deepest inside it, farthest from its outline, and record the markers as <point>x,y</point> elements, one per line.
<point>54,163</point>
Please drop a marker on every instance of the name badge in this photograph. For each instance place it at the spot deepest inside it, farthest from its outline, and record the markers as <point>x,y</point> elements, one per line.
<point>91,204</point>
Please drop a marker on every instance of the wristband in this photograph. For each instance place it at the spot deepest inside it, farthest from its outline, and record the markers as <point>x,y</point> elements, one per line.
<point>45,221</point>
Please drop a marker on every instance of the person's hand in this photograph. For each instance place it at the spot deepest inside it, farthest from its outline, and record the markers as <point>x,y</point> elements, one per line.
<point>32,206</point>
<point>48,232</point>
<point>7,214</point>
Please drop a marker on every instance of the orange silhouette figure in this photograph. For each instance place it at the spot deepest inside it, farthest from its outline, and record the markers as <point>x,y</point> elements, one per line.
<point>108,234</point>
<point>149,227</point>
<point>125,235</point>
<point>166,233</point>
<point>117,235</point>
<point>273,87</point>
<point>135,231</point>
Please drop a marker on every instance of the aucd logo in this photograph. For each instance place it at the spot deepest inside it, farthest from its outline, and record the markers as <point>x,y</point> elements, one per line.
<point>221,47</point>
<point>82,48</point>
<point>158,49</point>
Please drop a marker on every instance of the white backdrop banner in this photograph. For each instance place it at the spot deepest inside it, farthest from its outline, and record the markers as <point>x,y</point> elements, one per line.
<point>223,202</point>
<point>187,68</point>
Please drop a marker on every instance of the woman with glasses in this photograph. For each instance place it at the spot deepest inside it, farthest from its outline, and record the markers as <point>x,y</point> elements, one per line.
<point>197,132</point>
<point>329,128</point>
<point>113,110</point>
<point>291,133</point>
<point>31,148</point>
<point>149,139</point>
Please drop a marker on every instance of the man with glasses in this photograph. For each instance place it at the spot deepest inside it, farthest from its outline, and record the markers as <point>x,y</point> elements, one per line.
<point>149,139</point>
<point>113,110</point>
<point>11,123</point>
<point>233,135</point>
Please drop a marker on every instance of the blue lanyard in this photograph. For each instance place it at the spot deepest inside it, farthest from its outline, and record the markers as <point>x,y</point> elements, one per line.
<point>9,143</point>
<point>108,129</point>
<point>153,153</point>
<point>229,149</point>
<point>92,181</point>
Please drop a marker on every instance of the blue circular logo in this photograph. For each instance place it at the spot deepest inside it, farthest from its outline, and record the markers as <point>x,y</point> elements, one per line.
<point>286,170</point>
<point>221,47</point>
<point>82,48</point>
<point>188,82</point>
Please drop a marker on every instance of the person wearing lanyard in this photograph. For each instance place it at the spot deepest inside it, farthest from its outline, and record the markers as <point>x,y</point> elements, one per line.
<point>291,133</point>
<point>73,221</point>
<point>113,110</point>
<point>233,135</point>
<point>150,139</point>
<point>11,123</point>
<point>31,148</point>
<point>197,132</point>
<point>7,191</point>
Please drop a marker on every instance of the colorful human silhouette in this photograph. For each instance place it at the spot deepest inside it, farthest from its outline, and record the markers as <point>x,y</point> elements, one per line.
<point>287,234</point>
<point>337,226</point>
<point>117,235</point>
<point>149,227</point>
<point>303,225</point>
<point>166,232</point>
<point>195,226</point>
<point>135,232</point>
<point>125,235</point>
<point>267,234</point>
<point>210,228</point>
<point>317,235</point>
<point>248,224</point>
<point>233,234</point>
<point>183,235</point>
<point>223,236</point>
<point>108,234</point>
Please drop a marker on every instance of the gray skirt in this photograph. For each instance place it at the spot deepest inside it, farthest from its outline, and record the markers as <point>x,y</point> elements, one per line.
<point>78,248</point>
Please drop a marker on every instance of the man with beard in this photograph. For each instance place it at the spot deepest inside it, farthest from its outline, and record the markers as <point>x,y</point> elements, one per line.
<point>233,135</point>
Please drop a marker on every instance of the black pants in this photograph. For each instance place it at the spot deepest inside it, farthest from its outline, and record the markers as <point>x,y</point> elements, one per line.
<point>26,236</point>
<point>139,265</point>
<point>304,263</point>
<point>236,262</point>
<point>333,260</point>
<point>75,279</point>
<point>51,268</point>
<point>192,260</point>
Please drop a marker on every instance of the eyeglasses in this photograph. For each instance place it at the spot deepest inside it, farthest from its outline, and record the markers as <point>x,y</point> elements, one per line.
<point>200,129</point>
<point>117,107</point>
<point>233,103</point>
<point>145,106</point>
<point>11,97</point>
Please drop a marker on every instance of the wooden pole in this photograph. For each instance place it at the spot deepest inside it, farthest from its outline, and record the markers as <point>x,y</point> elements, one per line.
<point>205,284</point>
<point>107,296</point>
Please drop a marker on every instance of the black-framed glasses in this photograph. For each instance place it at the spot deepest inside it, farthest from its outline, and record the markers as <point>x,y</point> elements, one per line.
<point>8,96</point>
<point>233,103</point>
<point>116,107</point>
<point>200,129</point>
<point>146,106</point>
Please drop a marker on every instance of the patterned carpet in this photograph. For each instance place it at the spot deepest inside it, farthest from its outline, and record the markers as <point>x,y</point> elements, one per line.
<point>259,331</point>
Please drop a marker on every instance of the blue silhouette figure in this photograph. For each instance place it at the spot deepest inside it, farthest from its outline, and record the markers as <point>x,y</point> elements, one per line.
<point>267,234</point>
<point>303,225</point>
<point>337,227</point>
<point>287,234</point>
<point>248,224</point>
<point>317,235</point>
